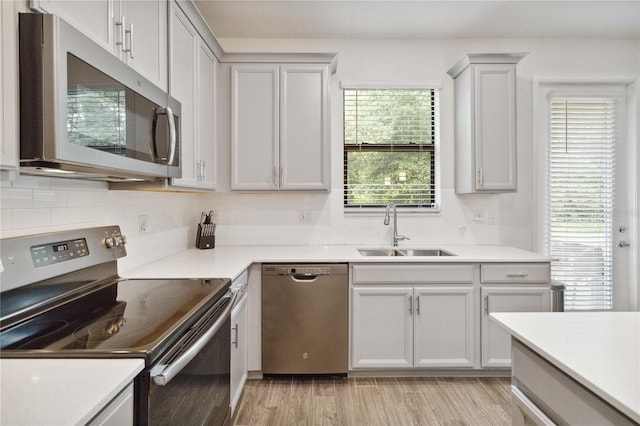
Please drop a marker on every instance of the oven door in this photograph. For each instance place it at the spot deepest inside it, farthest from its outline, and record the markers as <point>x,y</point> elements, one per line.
<point>190,385</point>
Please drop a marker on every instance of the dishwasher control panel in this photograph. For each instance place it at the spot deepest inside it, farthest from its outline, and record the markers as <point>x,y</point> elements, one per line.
<point>304,270</point>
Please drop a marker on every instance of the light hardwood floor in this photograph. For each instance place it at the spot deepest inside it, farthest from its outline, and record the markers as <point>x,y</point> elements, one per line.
<point>375,401</point>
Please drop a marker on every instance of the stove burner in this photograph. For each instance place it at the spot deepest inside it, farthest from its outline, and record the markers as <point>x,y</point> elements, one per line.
<point>41,330</point>
<point>117,325</point>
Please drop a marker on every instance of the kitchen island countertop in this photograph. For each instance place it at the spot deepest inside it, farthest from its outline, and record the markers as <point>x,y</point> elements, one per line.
<point>600,350</point>
<point>61,391</point>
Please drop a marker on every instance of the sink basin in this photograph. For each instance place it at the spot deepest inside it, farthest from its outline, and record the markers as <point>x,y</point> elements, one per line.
<point>404,252</point>
<point>426,252</point>
<point>380,252</point>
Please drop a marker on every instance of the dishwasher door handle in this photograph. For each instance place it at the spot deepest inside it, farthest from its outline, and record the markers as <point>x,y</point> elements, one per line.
<point>301,278</point>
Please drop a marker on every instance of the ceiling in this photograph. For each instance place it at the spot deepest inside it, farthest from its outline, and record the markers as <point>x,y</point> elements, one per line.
<point>422,19</point>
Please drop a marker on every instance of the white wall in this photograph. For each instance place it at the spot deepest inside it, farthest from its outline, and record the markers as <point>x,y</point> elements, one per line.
<point>32,205</point>
<point>401,60</point>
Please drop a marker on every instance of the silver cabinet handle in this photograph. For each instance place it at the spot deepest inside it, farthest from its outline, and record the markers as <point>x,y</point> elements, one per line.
<point>417,305</point>
<point>204,169</point>
<point>517,275</point>
<point>162,374</point>
<point>235,340</point>
<point>480,176</point>
<point>122,32</point>
<point>199,173</point>
<point>410,305</point>
<point>486,305</point>
<point>130,49</point>
<point>275,176</point>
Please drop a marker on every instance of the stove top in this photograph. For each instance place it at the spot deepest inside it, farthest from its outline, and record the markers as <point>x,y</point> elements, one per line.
<point>125,318</point>
<point>61,296</point>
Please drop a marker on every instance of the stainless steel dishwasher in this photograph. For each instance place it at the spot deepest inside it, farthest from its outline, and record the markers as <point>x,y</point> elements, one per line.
<point>304,319</point>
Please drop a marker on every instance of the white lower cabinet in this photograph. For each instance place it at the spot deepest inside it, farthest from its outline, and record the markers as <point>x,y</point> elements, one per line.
<point>436,315</point>
<point>496,342</point>
<point>118,412</point>
<point>412,326</point>
<point>443,326</point>
<point>382,327</point>
<point>239,367</point>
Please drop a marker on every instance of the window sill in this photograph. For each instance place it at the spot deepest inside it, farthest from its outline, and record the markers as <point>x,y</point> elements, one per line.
<point>376,211</point>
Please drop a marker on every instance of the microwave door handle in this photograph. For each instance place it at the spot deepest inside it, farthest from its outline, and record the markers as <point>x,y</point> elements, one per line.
<point>172,137</point>
<point>168,372</point>
<point>153,144</point>
<point>171,154</point>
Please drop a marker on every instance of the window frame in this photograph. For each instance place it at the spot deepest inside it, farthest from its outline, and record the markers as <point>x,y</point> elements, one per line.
<point>433,148</point>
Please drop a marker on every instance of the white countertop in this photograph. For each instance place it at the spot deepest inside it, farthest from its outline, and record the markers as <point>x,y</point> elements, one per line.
<point>60,391</point>
<point>230,261</point>
<point>600,350</point>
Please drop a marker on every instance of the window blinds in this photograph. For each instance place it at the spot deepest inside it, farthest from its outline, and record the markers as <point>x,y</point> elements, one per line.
<point>580,199</point>
<point>390,147</point>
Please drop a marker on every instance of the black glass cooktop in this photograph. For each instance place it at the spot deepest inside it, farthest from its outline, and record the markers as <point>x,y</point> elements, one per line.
<point>127,318</point>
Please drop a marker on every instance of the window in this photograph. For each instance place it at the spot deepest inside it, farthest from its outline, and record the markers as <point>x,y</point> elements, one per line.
<point>580,199</point>
<point>391,148</point>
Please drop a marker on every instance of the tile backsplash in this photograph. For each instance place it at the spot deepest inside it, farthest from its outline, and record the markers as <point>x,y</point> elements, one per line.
<point>31,205</point>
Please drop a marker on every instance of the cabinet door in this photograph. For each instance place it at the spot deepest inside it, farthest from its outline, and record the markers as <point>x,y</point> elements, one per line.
<point>119,411</point>
<point>382,327</point>
<point>146,39</point>
<point>443,327</point>
<point>205,131</point>
<point>496,342</point>
<point>254,127</point>
<point>8,87</point>
<point>96,18</point>
<point>184,45</point>
<point>304,127</point>
<point>494,127</point>
<point>238,351</point>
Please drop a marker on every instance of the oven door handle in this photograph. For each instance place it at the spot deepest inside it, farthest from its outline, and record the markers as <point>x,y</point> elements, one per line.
<point>162,374</point>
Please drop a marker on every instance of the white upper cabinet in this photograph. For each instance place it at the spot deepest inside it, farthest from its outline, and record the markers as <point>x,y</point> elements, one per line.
<point>485,122</point>
<point>192,82</point>
<point>145,37</point>
<point>280,127</point>
<point>255,132</point>
<point>8,87</point>
<point>135,31</point>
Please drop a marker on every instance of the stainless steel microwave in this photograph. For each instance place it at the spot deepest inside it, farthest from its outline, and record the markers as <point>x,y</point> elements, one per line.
<point>86,114</point>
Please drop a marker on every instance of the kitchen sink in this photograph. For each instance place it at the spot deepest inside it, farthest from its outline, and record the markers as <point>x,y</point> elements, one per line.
<point>405,252</point>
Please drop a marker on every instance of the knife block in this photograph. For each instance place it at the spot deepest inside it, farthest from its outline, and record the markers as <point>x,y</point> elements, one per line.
<point>205,239</point>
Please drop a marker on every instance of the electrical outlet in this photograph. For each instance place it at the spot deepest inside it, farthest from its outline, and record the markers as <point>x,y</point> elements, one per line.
<point>479,217</point>
<point>143,223</point>
<point>304,216</point>
<point>493,218</point>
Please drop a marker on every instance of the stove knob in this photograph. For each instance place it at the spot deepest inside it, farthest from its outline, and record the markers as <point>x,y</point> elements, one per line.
<point>118,241</point>
<point>109,242</point>
<point>124,239</point>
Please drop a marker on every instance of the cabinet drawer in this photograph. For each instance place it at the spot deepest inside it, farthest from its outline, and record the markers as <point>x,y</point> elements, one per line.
<point>560,397</point>
<point>515,273</point>
<point>411,273</point>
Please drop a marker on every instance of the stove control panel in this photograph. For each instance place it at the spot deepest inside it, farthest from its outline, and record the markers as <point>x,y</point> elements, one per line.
<point>61,251</point>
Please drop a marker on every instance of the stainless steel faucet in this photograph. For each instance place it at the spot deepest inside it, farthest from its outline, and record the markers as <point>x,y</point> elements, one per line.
<point>396,237</point>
